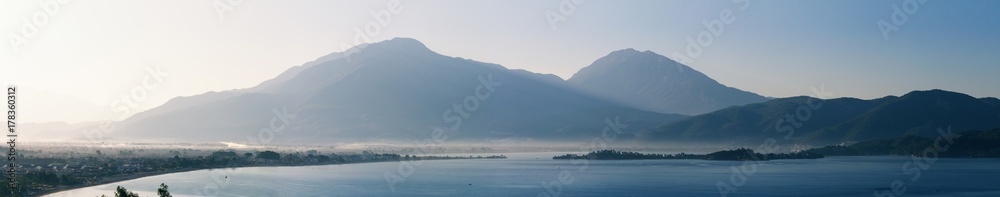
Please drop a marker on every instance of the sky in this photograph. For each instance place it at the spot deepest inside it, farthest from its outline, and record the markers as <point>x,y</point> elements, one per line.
<point>104,53</point>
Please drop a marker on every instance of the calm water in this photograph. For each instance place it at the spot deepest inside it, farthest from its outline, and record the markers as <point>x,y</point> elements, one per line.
<point>523,175</point>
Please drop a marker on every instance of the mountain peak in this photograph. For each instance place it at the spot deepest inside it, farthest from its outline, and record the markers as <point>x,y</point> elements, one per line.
<point>624,52</point>
<point>650,81</point>
<point>944,97</point>
<point>935,93</point>
<point>400,43</point>
<point>634,60</point>
<point>403,42</point>
<point>629,53</point>
<point>931,91</point>
<point>390,48</point>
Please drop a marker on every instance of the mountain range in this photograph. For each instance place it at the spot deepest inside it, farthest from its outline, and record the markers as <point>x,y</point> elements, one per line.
<point>391,90</point>
<point>400,90</point>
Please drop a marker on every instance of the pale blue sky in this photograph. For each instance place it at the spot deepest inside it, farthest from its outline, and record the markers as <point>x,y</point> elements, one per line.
<point>98,50</point>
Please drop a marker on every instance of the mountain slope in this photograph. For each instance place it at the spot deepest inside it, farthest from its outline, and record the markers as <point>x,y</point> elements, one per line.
<point>918,113</point>
<point>266,86</point>
<point>834,120</point>
<point>393,90</point>
<point>967,144</point>
<point>650,81</point>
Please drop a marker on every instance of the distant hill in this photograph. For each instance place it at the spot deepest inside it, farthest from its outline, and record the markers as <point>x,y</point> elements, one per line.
<point>741,154</point>
<point>650,81</point>
<point>917,113</point>
<point>965,144</point>
<point>838,120</point>
<point>395,90</point>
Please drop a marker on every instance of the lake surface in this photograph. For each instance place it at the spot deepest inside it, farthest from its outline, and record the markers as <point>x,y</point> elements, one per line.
<point>524,175</point>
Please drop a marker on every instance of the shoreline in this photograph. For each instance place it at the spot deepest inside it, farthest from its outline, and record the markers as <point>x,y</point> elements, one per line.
<point>138,175</point>
<point>115,179</point>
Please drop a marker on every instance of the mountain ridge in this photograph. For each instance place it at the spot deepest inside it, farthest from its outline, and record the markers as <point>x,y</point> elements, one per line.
<point>397,90</point>
<point>838,120</point>
<point>392,90</point>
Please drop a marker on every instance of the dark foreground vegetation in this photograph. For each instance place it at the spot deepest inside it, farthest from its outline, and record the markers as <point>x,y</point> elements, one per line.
<point>122,192</point>
<point>42,175</point>
<point>727,155</point>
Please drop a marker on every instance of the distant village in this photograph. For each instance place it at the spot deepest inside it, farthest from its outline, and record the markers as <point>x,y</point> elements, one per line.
<point>40,171</point>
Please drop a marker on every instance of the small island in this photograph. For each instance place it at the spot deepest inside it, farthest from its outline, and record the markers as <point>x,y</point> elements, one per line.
<point>741,154</point>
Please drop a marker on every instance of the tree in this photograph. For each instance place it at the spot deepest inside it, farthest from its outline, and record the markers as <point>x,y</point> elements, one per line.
<point>248,155</point>
<point>224,154</point>
<point>269,155</point>
<point>292,157</point>
<point>121,192</point>
<point>162,192</point>
<point>323,158</point>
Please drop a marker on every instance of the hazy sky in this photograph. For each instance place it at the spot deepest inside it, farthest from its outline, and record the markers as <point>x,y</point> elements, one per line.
<point>97,51</point>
